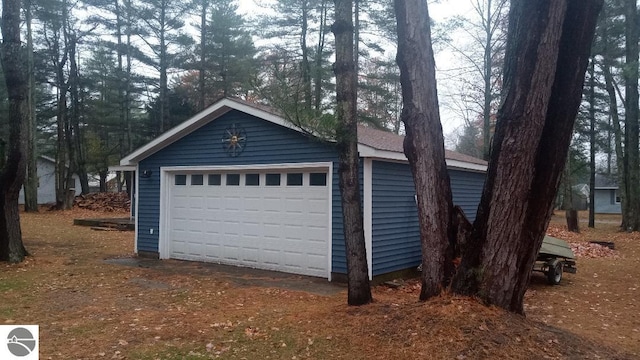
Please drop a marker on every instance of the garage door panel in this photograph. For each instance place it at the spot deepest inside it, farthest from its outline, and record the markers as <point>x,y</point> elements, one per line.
<point>214,225</point>
<point>195,249</point>
<point>253,204</point>
<point>272,206</point>
<point>213,250</point>
<point>283,228</point>
<point>316,262</point>
<point>231,252</point>
<point>271,258</point>
<point>250,255</point>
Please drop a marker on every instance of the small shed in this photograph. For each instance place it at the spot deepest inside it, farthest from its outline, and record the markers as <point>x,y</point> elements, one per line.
<point>237,184</point>
<point>46,170</point>
<point>606,195</point>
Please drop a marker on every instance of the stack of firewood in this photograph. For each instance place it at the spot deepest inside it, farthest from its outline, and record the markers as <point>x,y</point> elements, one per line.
<point>104,201</point>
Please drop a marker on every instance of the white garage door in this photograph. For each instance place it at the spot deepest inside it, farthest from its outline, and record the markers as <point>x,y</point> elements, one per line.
<point>275,220</point>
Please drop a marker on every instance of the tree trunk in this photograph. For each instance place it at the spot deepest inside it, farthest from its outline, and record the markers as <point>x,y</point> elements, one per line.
<point>592,144</point>
<point>547,54</point>
<point>123,110</point>
<point>617,135</point>
<point>164,100</point>
<point>319,54</point>
<point>103,181</point>
<point>79,165</point>
<point>565,183</point>
<point>572,220</point>
<point>61,146</point>
<point>424,145</point>
<point>62,121</point>
<point>119,176</point>
<point>632,184</point>
<point>31,183</point>
<point>571,215</point>
<point>203,55</point>
<point>488,65</point>
<point>13,172</point>
<point>359,290</point>
<point>127,88</point>
<point>306,67</point>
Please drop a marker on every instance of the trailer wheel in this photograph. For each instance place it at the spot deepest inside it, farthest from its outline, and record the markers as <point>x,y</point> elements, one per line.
<point>554,274</point>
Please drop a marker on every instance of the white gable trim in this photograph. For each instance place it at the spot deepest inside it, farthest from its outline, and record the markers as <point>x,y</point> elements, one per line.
<point>122,168</point>
<point>199,120</point>
<point>457,164</point>
<point>369,152</point>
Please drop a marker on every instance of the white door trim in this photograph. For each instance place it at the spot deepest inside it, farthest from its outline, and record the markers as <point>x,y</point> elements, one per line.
<point>136,197</point>
<point>165,195</point>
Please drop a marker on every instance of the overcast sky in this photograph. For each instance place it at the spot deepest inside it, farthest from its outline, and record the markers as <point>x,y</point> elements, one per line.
<point>439,12</point>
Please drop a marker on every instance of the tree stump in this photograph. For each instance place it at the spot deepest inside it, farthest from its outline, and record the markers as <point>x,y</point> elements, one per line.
<point>572,220</point>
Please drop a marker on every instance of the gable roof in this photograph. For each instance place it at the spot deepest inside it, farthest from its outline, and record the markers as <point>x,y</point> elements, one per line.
<point>385,141</point>
<point>371,142</point>
<point>604,181</point>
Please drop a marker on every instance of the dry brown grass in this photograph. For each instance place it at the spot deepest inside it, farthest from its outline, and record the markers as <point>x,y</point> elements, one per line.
<point>89,309</point>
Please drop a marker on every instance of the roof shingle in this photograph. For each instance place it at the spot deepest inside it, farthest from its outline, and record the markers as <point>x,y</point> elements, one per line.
<point>388,141</point>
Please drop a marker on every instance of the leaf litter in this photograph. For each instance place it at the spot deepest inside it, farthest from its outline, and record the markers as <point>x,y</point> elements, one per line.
<point>89,309</point>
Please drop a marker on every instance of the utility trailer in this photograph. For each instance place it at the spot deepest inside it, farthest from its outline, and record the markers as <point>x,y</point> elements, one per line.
<point>554,258</point>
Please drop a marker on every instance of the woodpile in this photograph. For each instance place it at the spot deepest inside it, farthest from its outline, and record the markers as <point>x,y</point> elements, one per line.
<point>104,201</point>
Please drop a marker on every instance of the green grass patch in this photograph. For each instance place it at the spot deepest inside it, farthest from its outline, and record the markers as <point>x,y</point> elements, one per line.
<point>238,344</point>
<point>7,313</point>
<point>12,284</point>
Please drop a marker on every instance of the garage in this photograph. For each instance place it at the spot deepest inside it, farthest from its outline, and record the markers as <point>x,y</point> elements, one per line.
<point>240,184</point>
<point>274,219</point>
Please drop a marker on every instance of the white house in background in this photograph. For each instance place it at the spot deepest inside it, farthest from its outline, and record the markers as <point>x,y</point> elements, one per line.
<point>46,170</point>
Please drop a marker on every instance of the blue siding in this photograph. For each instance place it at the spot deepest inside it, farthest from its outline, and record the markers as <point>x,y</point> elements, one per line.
<point>267,143</point>
<point>395,230</point>
<point>466,188</point>
<point>395,234</point>
<point>605,202</point>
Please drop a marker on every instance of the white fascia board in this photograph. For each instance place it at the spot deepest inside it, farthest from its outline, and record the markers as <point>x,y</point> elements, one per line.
<point>369,152</point>
<point>457,164</point>
<point>122,168</point>
<point>197,121</point>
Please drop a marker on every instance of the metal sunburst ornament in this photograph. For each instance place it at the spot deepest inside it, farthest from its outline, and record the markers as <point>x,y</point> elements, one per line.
<point>234,140</point>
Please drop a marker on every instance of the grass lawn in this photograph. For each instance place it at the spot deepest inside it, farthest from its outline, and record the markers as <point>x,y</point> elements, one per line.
<point>88,308</point>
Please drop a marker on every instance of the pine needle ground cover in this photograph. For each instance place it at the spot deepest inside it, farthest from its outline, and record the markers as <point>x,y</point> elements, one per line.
<point>90,307</point>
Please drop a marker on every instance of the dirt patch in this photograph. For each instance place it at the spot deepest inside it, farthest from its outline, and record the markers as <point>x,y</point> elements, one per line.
<point>239,276</point>
<point>91,309</point>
